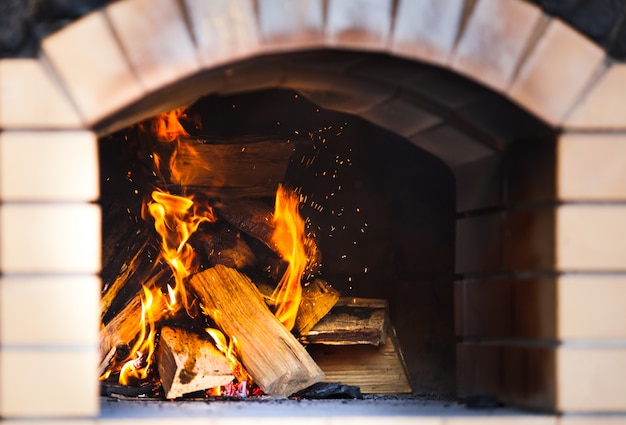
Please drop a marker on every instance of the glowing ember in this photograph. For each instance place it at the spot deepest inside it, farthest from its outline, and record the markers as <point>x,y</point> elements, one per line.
<point>289,237</point>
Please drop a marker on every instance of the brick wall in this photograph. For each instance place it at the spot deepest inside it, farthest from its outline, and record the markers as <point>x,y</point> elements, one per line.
<point>540,236</point>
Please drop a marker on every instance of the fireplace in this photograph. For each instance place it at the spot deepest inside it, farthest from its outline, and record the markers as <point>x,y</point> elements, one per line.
<point>530,277</point>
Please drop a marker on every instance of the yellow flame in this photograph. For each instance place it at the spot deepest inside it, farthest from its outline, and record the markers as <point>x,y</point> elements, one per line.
<point>176,218</point>
<point>144,347</point>
<point>289,238</point>
<point>229,350</point>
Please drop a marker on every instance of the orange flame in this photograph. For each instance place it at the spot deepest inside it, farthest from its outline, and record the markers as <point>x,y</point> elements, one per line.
<point>168,128</point>
<point>229,350</point>
<point>144,347</point>
<point>289,238</point>
<point>176,218</point>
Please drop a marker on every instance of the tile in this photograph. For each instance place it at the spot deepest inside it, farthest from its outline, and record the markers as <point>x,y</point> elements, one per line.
<point>391,70</point>
<point>402,115</point>
<point>556,71</point>
<point>426,30</point>
<point>593,419</point>
<point>530,172</point>
<point>92,67</point>
<point>490,52</point>
<point>50,238</point>
<point>479,183</point>
<point>49,310</point>
<point>30,97</point>
<point>602,105</point>
<point>503,419</point>
<point>66,382</point>
<point>591,167</point>
<point>529,240</point>
<point>224,30</point>
<point>603,316</point>
<point>49,166</point>
<point>479,367</point>
<point>503,122</point>
<point>487,308</point>
<point>448,89</point>
<point>536,308</point>
<point>286,24</point>
<point>479,243</point>
<point>158,46</point>
<point>591,238</point>
<point>363,24</point>
<point>603,389</point>
<point>251,76</point>
<point>342,93</point>
<point>453,146</point>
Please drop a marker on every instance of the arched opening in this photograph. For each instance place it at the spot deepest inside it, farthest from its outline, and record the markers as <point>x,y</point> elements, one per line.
<point>538,226</point>
<point>395,154</point>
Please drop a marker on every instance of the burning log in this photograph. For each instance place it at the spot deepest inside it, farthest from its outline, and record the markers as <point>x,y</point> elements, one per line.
<point>318,298</point>
<point>273,357</point>
<point>126,324</point>
<point>251,167</point>
<point>220,243</point>
<point>256,219</point>
<point>351,321</point>
<point>189,363</point>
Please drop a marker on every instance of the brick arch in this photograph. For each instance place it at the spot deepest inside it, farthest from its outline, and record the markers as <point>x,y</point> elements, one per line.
<point>109,61</point>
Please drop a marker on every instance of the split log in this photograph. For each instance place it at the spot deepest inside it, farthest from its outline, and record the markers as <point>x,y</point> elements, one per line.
<point>272,356</point>
<point>351,321</point>
<point>189,363</point>
<point>375,370</point>
<point>318,298</point>
<point>126,324</point>
<point>252,167</point>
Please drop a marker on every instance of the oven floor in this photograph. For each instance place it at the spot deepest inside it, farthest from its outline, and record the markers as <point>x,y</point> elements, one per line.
<point>384,409</point>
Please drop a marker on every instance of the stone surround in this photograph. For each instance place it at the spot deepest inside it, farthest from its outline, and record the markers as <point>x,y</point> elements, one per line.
<point>541,256</point>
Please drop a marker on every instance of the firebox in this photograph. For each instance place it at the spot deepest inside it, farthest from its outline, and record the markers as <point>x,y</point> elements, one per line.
<point>489,180</point>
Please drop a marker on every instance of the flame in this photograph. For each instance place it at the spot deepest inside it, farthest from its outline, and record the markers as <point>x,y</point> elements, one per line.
<point>144,345</point>
<point>169,129</point>
<point>176,218</point>
<point>167,126</point>
<point>290,239</point>
<point>229,350</point>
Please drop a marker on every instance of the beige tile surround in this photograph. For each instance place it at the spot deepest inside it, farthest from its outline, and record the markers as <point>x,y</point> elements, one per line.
<point>98,65</point>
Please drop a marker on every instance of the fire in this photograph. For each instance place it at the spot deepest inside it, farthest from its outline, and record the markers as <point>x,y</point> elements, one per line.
<point>169,129</point>
<point>143,348</point>
<point>176,218</point>
<point>289,237</point>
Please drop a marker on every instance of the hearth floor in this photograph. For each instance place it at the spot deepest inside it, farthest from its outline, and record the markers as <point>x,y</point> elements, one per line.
<point>379,410</point>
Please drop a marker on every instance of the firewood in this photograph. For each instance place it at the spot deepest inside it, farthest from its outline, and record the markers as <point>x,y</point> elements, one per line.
<point>126,324</point>
<point>255,218</point>
<point>220,243</point>
<point>375,370</point>
<point>318,298</point>
<point>272,356</point>
<point>351,321</point>
<point>251,168</point>
<point>189,363</point>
